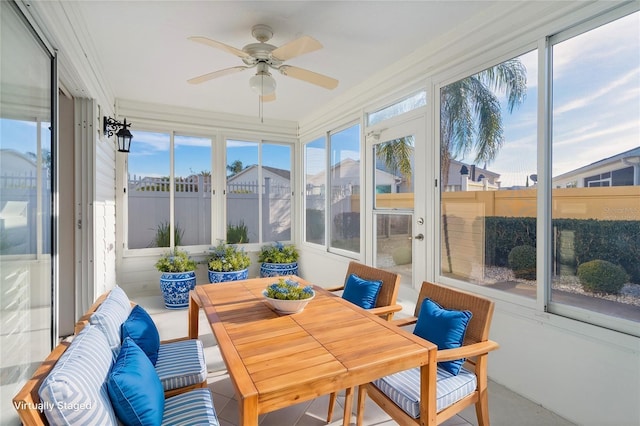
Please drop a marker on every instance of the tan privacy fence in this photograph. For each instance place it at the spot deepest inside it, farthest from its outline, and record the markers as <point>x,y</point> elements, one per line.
<point>463,233</point>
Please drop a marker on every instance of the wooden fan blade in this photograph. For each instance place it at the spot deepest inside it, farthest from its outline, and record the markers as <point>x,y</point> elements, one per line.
<point>221,46</point>
<point>309,76</point>
<point>215,74</point>
<point>268,98</point>
<point>297,47</point>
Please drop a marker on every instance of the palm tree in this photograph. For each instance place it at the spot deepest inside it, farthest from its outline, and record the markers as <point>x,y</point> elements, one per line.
<point>396,155</point>
<point>235,167</point>
<point>470,113</point>
<point>471,119</point>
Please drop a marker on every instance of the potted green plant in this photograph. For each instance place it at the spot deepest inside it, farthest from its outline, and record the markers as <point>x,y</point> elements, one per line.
<point>278,259</point>
<point>177,279</point>
<point>227,262</point>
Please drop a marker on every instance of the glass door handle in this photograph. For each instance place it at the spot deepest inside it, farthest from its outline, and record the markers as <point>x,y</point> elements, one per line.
<point>419,237</point>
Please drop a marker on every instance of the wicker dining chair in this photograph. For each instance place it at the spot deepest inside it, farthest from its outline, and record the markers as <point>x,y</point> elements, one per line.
<point>440,395</point>
<point>385,305</point>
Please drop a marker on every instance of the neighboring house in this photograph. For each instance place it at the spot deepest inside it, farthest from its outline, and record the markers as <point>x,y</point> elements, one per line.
<point>247,179</point>
<point>469,177</point>
<point>618,170</point>
<point>346,174</point>
<point>16,163</point>
<point>18,180</point>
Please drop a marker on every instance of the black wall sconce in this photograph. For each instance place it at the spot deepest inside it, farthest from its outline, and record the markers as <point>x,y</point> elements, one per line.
<point>123,135</point>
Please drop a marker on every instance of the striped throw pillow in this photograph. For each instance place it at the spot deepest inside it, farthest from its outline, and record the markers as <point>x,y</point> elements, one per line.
<point>75,391</point>
<point>110,315</point>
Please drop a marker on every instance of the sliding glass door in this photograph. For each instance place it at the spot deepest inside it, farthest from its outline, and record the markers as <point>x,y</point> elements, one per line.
<point>26,174</point>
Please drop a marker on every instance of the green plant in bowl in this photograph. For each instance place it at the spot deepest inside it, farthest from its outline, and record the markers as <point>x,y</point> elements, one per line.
<point>286,289</point>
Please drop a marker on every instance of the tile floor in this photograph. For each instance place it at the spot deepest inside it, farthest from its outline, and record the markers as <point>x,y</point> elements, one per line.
<point>506,408</point>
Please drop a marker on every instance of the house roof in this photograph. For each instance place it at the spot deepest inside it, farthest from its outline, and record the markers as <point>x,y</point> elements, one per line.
<point>634,152</point>
<point>285,174</point>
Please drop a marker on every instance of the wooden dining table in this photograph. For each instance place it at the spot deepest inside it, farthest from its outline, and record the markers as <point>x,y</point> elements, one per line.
<point>276,360</point>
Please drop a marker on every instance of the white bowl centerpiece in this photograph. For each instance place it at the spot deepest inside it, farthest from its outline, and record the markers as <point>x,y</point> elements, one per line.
<point>287,296</point>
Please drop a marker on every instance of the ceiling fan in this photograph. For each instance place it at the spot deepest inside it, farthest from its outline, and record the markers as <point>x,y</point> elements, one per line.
<point>264,56</point>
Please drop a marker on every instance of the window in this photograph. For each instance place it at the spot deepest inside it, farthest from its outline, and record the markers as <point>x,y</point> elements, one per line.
<point>489,177</point>
<point>621,177</point>
<point>414,101</point>
<point>596,126</point>
<point>148,192</point>
<point>489,191</point>
<point>192,175</point>
<point>342,225</point>
<point>277,194</point>
<point>315,182</point>
<point>258,192</point>
<point>243,192</point>
<point>344,181</point>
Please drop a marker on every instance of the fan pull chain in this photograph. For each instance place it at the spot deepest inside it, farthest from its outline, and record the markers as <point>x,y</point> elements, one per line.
<point>261,109</point>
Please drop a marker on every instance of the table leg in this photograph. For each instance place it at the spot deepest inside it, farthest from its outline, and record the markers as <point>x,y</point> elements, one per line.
<point>348,404</point>
<point>248,408</point>
<point>194,314</point>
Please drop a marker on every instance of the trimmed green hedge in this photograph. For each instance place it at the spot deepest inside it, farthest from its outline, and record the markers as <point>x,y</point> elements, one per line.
<point>616,241</point>
<point>522,261</point>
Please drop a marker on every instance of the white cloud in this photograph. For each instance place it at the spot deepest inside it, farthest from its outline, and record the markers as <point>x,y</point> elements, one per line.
<point>598,93</point>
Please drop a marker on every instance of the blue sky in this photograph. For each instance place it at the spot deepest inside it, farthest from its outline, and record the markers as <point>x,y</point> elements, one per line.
<point>596,103</point>
<point>596,115</point>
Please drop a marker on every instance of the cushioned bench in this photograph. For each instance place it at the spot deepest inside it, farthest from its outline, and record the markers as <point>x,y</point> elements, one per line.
<point>96,380</point>
<point>180,363</point>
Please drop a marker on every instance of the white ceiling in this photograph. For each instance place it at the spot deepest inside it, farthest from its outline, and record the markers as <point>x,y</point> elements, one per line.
<point>145,55</point>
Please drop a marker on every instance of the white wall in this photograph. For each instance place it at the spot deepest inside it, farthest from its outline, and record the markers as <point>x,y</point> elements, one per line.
<point>584,373</point>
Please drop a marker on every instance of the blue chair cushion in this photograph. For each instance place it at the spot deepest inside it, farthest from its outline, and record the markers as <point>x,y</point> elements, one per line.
<point>75,391</point>
<point>191,408</point>
<point>361,292</point>
<point>403,388</point>
<point>141,328</point>
<point>181,364</point>
<point>110,315</point>
<point>446,328</point>
<point>134,387</point>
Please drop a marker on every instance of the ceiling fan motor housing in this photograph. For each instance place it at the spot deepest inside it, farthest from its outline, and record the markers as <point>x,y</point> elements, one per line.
<point>262,33</point>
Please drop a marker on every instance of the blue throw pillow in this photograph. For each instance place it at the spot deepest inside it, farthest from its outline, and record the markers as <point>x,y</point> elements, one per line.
<point>446,328</point>
<point>141,328</point>
<point>134,388</point>
<point>361,292</point>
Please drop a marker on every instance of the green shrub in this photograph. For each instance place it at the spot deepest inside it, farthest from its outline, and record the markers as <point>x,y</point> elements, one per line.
<point>522,261</point>
<point>601,276</point>
<point>237,234</point>
<point>163,234</point>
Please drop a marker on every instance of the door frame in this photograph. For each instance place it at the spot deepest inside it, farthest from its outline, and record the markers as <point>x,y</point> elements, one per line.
<point>411,123</point>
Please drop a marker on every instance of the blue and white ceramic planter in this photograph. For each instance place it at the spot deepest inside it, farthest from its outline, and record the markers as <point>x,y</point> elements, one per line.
<point>220,277</point>
<point>175,288</point>
<point>278,269</point>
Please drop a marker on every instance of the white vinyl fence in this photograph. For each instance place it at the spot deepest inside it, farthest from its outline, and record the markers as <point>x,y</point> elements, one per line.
<point>149,209</point>
<point>20,209</point>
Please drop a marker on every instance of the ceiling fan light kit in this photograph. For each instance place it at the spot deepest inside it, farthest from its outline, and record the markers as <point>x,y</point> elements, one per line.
<point>264,56</point>
<point>263,83</point>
